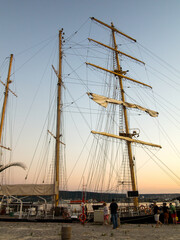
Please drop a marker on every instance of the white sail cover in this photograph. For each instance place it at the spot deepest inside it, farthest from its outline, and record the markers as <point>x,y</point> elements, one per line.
<point>28,189</point>
<point>103,101</point>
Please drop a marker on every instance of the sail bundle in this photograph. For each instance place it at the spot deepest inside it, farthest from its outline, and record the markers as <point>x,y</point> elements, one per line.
<point>104,101</point>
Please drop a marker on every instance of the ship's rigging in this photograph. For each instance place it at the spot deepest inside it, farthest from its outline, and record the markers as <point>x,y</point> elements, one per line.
<point>102,168</point>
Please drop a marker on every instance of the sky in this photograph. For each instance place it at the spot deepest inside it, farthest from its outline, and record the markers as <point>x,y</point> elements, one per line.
<point>29,30</point>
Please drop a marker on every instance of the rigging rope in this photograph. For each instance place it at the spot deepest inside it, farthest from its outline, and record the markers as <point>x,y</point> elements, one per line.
<point>167,64</point>
<point>32,56</point>
<point>76,162</point>
<point>46,119</point>
<point>73,34</point>
<point>37,44</point>
<point>33,101</point>
<point>168,169</point>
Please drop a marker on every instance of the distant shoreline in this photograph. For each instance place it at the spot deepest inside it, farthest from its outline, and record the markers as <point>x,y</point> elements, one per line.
<point>107,197</point>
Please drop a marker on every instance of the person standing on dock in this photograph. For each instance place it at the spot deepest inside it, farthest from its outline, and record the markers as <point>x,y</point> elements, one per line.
<point>106,214</point>
<point>173,213</point>
<point>165,213</point>
<point>113,208</point>
<point>156,215</point>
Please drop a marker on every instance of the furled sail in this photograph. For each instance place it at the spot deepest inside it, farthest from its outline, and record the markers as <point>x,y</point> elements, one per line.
<point>103,101</point>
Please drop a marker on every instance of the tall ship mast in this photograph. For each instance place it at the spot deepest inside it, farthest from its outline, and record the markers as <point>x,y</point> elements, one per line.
<point>40,189</point>
<point>58,134</point>
<point>5,97</point>
<point>124,134</point>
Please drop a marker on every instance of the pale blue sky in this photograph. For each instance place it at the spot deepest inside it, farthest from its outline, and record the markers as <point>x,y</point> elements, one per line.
<point>26,25</point>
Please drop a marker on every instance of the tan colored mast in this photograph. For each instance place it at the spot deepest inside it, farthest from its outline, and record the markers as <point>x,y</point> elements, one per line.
<point>127,136</point>
<point>58,121</point>
<point>118,72</point>
<point>5,97</point>
<point>131,163</point>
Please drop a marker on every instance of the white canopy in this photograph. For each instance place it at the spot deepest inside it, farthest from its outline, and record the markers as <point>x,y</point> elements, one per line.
<point>28,189</point>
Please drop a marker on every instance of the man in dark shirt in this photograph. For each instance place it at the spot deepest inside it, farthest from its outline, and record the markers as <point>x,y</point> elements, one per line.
<point>165,213</point>
<point>156,215</point>
<point>156,209</point>
<point>113,208</point>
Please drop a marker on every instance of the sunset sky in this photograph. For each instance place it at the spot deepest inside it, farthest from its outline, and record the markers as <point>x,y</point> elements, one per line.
<point>29,30</point>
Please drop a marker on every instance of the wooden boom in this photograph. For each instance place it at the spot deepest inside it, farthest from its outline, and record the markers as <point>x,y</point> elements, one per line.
<point>118,74</point>
<point>126,139</point>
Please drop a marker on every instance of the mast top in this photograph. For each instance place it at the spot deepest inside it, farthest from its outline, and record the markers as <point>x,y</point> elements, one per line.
<point>113,28</point>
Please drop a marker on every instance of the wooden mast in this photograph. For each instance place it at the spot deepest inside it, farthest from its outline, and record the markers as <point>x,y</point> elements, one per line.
<point>131,164</point>
<point>119,73</point>
<point>57,156</point>
<point>127,136</point>
<point>6,96</point>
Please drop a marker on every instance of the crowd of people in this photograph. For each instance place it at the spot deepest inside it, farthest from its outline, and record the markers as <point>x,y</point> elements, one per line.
<point>167,213</point>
